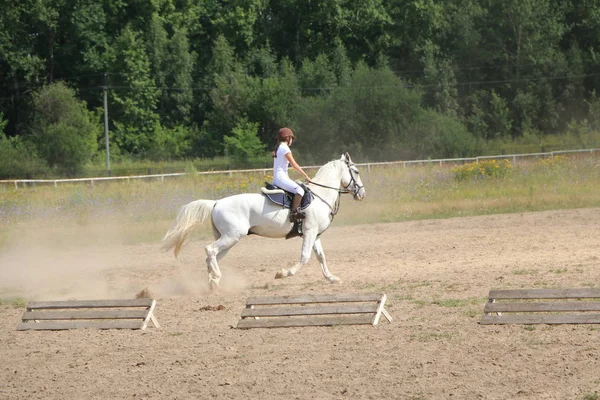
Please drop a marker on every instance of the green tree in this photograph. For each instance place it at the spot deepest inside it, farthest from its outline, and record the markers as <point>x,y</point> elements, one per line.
<point>527,32</point>
<point>238,21</point>
<point>136,98</point>
<point>417,26</point>
<point>262,62</point>
<point>274,99</point>
<point>317,77</point>
<point>583,19</point>
<point>341,64</point>
<point>64,132</point>
<point>175,65</point>
<point>244,143</point>
<point>180,64</point>
<point>489,116</point>
<point>137,14</point>
<point>169,143</point>
<point>87,30</point>
<point>440,84</point>
<point>18,43</point>
<point>441,136</point>
<point>172,63</point>
<point>157,43</point>
<point>300,30</point>
<point>593,106</point>
<point>525,109</point>
<point>371,117</point>
<point>19,160</point>
<point>228,100</point>
<point>23,25</point>
<point>477,114</point>
<point>3,123</point>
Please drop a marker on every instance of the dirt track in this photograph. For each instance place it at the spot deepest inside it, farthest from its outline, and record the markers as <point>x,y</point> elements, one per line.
<point>436,273</point>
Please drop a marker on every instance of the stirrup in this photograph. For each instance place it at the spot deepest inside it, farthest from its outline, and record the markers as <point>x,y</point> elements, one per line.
<point>296,230</point>
<point>296,216</point>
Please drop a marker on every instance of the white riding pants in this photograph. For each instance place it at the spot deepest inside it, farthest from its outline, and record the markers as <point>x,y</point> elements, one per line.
<point>286,183</point>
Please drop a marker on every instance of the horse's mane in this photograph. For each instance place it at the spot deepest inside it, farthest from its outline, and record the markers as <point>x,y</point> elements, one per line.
<point>326,168</point>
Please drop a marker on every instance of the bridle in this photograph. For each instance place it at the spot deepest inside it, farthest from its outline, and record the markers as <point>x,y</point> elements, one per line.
<point>353,181</point>
<point>344,190</point>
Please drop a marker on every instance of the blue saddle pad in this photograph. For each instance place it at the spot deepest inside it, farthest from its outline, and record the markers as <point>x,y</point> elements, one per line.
<point>285,199</point>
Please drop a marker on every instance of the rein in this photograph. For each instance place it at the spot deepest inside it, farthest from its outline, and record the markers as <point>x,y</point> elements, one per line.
<point>336,207</point>
<point>340,191</point>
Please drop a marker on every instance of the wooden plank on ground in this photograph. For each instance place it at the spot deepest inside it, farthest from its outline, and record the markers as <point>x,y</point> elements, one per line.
<point>312,310</point>
<point>64,325</point>
<point>86,314</point>
<point>98,314</point>
<point>89,304</point>
<point>579,293</point>
<point>313,298</point>
<point>542,307</point>
<point>541,319</point>
<point>514,307</point>
<point>308,321</point>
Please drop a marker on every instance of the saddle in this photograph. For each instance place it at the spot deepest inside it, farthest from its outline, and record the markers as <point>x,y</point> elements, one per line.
<point>284,198</point>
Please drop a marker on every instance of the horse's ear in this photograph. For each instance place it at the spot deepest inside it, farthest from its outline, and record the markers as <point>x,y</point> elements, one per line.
<point>346,157</point>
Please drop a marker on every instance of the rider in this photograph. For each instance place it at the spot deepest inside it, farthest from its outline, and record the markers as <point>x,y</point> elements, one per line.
<point>282,158</point>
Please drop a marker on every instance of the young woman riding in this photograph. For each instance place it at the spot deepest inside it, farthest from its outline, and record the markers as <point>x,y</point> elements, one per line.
<point>282,158</point>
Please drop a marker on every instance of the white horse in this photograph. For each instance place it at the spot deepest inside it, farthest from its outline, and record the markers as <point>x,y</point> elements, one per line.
<point>236,216</point>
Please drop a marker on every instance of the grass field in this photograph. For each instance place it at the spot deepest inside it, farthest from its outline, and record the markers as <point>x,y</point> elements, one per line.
<point>394,193</point>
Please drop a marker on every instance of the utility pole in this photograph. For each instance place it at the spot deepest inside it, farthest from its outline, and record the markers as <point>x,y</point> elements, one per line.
<point>106,127</point>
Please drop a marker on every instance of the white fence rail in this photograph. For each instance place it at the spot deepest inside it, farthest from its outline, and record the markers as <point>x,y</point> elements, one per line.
<point>514,157</point>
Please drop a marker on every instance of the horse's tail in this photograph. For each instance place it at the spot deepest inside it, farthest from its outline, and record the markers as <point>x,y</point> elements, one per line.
<point>189,215</point>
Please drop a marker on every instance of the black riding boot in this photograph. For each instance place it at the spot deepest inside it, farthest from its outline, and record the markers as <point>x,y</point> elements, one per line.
<point>295,215</point>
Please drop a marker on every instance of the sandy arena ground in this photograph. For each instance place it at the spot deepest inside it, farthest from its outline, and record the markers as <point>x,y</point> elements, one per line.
<point>436,273</point>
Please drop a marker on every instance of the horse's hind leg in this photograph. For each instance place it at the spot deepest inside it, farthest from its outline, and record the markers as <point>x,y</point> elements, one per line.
<point>214,252</point>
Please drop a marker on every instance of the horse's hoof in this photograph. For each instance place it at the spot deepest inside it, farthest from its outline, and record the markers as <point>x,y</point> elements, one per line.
<point>214,286</point>
<point>335,280</point>
<point>281,274</point>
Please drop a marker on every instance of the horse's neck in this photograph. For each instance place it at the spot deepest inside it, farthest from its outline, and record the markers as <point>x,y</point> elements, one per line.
<point>329,175</point>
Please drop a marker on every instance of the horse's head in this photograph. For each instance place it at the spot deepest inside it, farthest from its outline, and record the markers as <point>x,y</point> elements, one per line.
<point>351,178</point>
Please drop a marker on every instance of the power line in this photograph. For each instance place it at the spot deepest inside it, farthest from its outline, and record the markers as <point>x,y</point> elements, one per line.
<point>309,89</point>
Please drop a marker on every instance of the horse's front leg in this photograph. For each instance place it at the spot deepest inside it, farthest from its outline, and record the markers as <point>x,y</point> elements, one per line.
<point>318,249</point>
<point>307,244</point>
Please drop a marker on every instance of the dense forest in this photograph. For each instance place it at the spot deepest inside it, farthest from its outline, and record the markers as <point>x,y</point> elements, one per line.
<point>385,80</point>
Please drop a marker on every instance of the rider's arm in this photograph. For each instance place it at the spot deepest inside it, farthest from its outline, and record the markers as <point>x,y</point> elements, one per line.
<point>295,165</point>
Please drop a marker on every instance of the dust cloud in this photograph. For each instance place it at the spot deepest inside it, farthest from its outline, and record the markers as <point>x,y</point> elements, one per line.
<point>59,263</point>
<point>75,261</point>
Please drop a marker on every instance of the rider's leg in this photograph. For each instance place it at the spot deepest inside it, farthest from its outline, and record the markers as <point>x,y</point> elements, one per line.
<point>285,183</point>
<point>296,215</point>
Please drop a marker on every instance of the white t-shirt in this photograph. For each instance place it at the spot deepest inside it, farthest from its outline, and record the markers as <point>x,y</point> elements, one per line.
<point>280,163</point>
<point>280,171</point>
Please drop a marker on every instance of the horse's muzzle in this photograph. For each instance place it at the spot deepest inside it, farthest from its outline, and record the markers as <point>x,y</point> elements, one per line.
<point>360,195</point>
